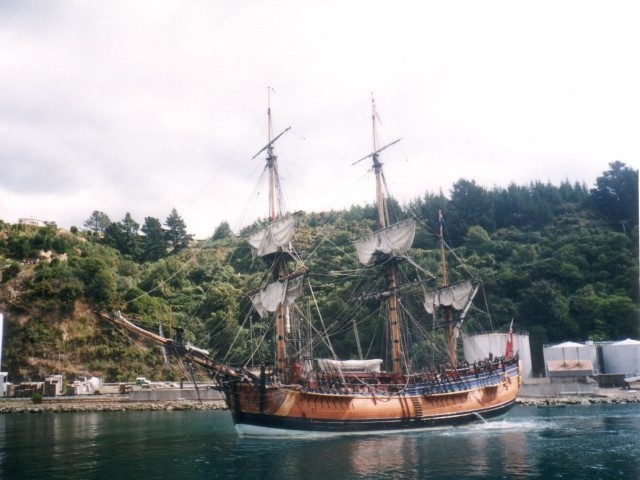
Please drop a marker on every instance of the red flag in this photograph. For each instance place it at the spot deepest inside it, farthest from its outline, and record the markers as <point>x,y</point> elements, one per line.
<point>509,351</point>
<point>375,110</point>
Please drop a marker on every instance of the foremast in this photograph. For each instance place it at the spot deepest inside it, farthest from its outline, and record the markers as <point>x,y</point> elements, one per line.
<point>273,244</point>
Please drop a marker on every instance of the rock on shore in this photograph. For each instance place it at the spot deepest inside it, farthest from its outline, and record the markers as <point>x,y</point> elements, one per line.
<point>602,397</point>
<point>62,405</point>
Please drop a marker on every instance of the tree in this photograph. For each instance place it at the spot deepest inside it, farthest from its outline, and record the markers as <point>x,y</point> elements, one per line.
<point>154,243</point>
<point>99,281</point>
<point>10,271</point>
<point>18,247</point>
<point>222,231</point>
<point>97,222</point>
<point>476,237</point>
<point>123,236</point>
<point>615,196</point>
<point>470,205</point>
<point>176,234</point>
<point>43,239</point>
<point>544,304</point>
<point>426,209</point>
<point>220,310</point>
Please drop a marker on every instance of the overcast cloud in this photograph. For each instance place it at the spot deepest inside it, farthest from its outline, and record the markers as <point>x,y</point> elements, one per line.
<point>145,106</point>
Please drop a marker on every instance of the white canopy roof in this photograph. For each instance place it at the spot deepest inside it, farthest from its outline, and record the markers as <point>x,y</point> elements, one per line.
<point>628,341</point>
<point>568,345</point>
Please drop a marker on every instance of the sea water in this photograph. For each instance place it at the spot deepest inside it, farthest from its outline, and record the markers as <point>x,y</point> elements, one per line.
<point>573,442</point>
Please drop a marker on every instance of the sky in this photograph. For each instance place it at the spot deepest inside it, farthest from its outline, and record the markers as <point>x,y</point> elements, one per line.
<point>146,106</point>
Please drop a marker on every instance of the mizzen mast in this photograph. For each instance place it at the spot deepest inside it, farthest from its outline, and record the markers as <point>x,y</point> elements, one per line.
<point>451,334</point>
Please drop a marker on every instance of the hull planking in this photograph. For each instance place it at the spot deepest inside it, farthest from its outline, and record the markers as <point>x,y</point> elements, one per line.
<point>287,410</point>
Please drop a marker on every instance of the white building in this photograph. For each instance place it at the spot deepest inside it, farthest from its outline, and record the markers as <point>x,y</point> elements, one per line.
<point>33,222</point>
<point>3,384</point>
<point>53,385</point>
<point>622,357</point>
<point>84,386</point>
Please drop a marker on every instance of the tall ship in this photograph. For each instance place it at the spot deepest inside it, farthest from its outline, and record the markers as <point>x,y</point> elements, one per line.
<point>297,391</point>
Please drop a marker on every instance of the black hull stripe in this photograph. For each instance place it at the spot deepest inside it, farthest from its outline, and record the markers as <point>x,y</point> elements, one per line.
<point>320,425</point>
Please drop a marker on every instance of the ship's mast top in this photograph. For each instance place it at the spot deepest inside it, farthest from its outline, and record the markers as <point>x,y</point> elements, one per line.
<point>377,168</point>
<point>272,162</point>
<point>275,194</point>
<point>443,259</point>
<point>381,204</point>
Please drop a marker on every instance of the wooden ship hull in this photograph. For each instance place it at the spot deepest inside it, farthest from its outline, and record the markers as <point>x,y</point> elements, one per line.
<point>260,407</point>
<point>287,410</point>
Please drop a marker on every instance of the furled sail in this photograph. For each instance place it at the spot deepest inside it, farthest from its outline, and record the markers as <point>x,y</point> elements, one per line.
<point>273,237</point>
<point>394,240</point>
<point>369,366</point>
<point>457,296</point>
<point>277,293</point>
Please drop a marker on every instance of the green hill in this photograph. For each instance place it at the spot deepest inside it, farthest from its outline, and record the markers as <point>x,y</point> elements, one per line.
<point>562,261</point>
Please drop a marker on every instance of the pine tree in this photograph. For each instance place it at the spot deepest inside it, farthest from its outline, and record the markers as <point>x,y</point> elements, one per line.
<point>176,233</point>
<point>123,236</point>
<point>154,242</point>
<point>223,231</point>
<point>97,222</point>
<point>616,195</point>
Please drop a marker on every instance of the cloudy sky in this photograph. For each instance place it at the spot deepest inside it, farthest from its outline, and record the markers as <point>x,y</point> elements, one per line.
<point>143,106</point>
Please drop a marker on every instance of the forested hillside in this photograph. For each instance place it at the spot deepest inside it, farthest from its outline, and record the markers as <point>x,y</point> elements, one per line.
<point>560,260</point>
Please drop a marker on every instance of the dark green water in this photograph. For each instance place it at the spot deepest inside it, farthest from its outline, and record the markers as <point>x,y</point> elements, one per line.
<point>595,442</point>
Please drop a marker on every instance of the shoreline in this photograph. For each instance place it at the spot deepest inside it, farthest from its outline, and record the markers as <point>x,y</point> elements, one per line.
<point>124,403</point>
<point>603,396</point>
<point>104,404</point>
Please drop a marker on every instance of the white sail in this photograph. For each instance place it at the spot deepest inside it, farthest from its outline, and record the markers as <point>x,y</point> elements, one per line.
<point>277,293</point>
<point>273,236</point>
<point>457,296</point>
<point>394,240</point>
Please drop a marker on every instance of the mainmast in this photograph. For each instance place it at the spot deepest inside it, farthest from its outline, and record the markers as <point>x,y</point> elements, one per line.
<point>391,273</point>
<point>280,271</point>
